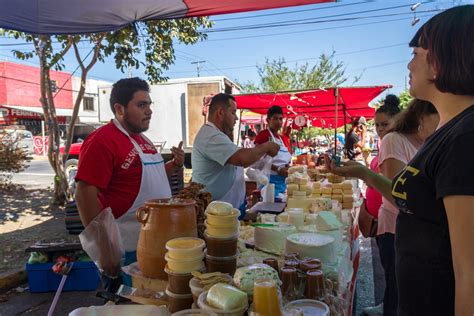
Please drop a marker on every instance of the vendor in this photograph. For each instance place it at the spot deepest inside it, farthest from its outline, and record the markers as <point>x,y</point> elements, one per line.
<point>217,162</point>
<point>119,169</point>
<point>281,162</point>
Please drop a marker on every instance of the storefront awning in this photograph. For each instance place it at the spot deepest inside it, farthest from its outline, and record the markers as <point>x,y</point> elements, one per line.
<point>37,110</point>
<point>317,105</point>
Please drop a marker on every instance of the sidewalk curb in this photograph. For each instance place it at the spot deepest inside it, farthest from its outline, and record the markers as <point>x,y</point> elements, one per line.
<point>12,278</point>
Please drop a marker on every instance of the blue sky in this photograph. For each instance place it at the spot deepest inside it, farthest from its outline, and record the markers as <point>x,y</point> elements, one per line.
<point>375,47</point>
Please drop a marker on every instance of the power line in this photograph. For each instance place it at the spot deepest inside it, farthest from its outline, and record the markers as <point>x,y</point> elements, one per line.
<point>291,12</point>
<point>312,30</point>
<point>297,23</point>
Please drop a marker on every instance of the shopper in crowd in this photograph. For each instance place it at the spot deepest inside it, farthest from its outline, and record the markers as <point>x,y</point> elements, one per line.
<point>249,141</point>
<point>355,138</point>
<point>434,192</point>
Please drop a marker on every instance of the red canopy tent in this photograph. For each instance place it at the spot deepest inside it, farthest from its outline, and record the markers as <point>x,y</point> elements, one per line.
<point>317,105</point>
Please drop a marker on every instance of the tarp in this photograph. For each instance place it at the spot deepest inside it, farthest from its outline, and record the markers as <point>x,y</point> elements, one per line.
<point>317,105</point>
<point>92,16</point>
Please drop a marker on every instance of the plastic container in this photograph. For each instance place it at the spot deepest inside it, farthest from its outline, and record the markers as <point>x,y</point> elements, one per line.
<point>184,266</point>
<point>222,264</point>
<point>83,276</point>
<point>178,302</point>
<point>179,282</point>
<point>222,231</point>
<point>223,220</point>
<point>194,312</point>
<point>197,288</point>
<point>221,247</point>
<point>185,248</point>
<point>306,307</point>
<point>202,303</point>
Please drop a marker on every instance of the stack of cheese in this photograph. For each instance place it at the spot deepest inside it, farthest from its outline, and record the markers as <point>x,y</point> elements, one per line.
<point>272,238</point>
<point>334,178</point>
<point>341,192</point>
<point>321,204</point>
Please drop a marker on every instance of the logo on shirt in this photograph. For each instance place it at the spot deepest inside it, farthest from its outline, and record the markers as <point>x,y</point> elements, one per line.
<point>398,190</point>
<point>129,159</point>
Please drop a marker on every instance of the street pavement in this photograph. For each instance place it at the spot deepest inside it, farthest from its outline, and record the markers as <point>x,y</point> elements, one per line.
<point>38,175</point>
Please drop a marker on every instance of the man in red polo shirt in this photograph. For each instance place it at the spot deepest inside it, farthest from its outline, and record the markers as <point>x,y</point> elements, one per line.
<point>119,169</point>
<point>282,160</point>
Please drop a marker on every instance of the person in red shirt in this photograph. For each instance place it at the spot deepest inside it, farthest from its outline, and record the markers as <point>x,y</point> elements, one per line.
<point>285,137</point>
<point>119,169</point>
<point>282,160</point>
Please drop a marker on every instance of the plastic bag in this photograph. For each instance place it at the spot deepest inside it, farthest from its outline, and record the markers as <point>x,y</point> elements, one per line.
<point>101,240</point>
<point>260,170</point>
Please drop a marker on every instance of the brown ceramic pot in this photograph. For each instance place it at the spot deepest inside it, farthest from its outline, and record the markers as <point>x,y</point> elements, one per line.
<point>162,220</point>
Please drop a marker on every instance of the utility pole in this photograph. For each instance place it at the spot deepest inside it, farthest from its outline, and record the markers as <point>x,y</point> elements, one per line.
<point>198,65</point>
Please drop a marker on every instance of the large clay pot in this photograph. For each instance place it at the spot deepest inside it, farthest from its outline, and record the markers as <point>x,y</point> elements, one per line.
<point>162,220</point>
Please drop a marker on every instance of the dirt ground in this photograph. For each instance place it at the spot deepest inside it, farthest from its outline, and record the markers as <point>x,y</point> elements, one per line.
<point>26,217</point>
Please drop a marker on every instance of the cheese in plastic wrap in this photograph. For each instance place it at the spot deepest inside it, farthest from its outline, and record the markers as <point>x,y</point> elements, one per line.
<point>226,297</point>
<point>219,208</point>
<point>245,277</point>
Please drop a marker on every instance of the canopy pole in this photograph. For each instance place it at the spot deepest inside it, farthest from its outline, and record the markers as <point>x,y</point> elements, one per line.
<point>336,95</point>
<point>345,117</point>
<point>240,125</point>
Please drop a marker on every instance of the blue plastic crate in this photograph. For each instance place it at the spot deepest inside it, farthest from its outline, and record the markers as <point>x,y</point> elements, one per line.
<point>83,276</point>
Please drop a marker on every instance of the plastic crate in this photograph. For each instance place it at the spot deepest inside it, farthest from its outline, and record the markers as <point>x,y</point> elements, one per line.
<point>84,276</point>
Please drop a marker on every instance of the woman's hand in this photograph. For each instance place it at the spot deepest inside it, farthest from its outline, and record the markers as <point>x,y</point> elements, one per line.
<point>349,168</point>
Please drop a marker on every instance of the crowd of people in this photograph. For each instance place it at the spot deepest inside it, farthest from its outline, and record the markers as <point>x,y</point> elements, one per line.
<point>420,185</point>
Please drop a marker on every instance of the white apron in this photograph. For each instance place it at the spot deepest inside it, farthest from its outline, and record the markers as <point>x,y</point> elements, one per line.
<point>154,185</point>
<point>236,193</point>
<point>283,158</point>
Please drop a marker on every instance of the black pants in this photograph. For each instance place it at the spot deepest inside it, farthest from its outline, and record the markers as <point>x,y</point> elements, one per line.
<point>386,244</point>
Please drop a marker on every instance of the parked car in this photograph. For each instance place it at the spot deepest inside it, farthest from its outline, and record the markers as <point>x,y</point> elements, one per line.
<point>23,138</point>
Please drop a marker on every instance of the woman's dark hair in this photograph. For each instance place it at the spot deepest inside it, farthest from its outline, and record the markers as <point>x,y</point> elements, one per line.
<point>274,109</point>
<point>449,39</point>
<point>408,121</point>
<point>124,89</point>
<point>390,106</point>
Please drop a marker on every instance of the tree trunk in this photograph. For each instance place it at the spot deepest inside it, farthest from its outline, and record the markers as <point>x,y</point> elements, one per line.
<point>49,110</point>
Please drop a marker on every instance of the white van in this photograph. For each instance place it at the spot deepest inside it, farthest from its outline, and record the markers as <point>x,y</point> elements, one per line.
<point>23,137</point>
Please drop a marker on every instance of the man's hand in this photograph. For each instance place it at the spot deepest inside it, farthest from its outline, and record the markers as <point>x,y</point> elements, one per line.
<point>178,155</point>
<point>272,148</point>
<point>348,169</point>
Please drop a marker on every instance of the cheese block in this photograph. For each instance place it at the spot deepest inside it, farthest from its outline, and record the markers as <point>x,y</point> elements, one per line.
<point>312,245</point>
<point>337,186</point>
<point>327,221</point>
<point>337,191</point>
<point>337,197</point>
<point>300,169</point>
<point>316,185</point>
<point>272,239</point>
<point>347,193</point>
<point>326,196</point>
<point>317,191</point>
<point>304,203</point>
<point>328,185</point>
<point>292,188</point>
<point>347,199</point>
<point>245,277</point>
<point>282,217</point>
<point>219,208</point>
<point>346,206</point>
<point>326,190</point>
<point>333,178</point>
<point>299,194</point>
<point>347,185</point>
<point>301,180</point>
<point>336,234</point>
<point>315,195</point>
<point>322,204</point>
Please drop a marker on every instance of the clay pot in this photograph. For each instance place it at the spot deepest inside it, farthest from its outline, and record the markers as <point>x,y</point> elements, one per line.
<point>162,220</point>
